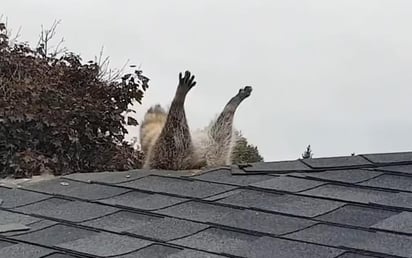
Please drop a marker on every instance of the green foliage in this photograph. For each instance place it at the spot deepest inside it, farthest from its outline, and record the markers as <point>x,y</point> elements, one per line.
<point>244,152</point>
<point>308,153</point>
<point>58,115</point>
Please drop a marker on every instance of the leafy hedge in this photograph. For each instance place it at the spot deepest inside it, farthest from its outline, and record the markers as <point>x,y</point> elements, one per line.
<point>58,115</point>
<point>243,152</point>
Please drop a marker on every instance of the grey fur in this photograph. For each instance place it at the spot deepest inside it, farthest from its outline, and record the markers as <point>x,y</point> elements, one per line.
<point>220,137</point>
<point>176,148</point>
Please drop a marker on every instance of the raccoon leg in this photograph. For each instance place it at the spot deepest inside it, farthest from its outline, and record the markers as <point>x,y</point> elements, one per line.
<point>174,149</point>
<point>221,130</point>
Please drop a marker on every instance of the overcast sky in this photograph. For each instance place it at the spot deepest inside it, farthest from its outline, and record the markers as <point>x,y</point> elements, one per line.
<point>333,74</point>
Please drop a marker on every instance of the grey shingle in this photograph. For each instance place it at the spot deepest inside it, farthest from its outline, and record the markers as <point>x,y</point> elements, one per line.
<point>205,224</point>
<point>347,175</point>
<point>24,251</point>
<point>287,183</point>
<point>391,181</point>
<point>144,201</point>
<point>284,203</point>
<point>177,186</point>
<point>108,177</point>
<point>264,222</point>
<point>160,251</point>
<point>75,211</point>
<point>348,193</point>
<point>7,217</point>
<point>223,195</point>
<point>225,176</point>
<point>389,157</point>
<point>13,227</point>
<point>76,189</point>
<point>166,229</point>
<point>334,162</point>
<point>55,235</point>
<point>354,238</point>
<point>228,242</point>
<point>355,255</point>
<point>401,223</point>
<point>407,169</point>
<point>15,197</point>
<point>34,227</point>
<point>277,166</point>
<point>5,244</point>
<point>152,251</point>
<point>120,221</point>
<point>400,200</point>
<point>105,244</point>
<point>187,253</point>
<point>198,211</point>
<point>218,241</point>
<point>282,248</point>
<point>357,215</point>
<point>58,255</point>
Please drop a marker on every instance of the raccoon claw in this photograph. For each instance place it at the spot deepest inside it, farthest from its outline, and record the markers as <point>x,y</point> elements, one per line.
<point>245,92</point>
<point>187,81</point>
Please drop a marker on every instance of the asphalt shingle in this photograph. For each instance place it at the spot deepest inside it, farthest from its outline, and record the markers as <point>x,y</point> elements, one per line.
<point>120,221</point>
<point>5,244</point>
<point>105,244</point>
<point>389,157</point>
<point>22,250</point>
<point>198,211</point>
<point>347,193</point>
<point>357,215</point>
<point>405,169</point>
<point>166,229</point>
<point>144,201</point>
<point>108,177</point>
<point>187,253</point>
<point>287,183</point>
<point>15,197</point>
<point>355,255</point>
<point>58,255</point>
<point>55,235</point>
<point>343,207</point>
<point>403,183</point>
<point>186,188</point>
<point>35,226</point>
<point>218,241</point>
<point>282,248</point>
<point>283,203</point>
<point>379,242</point>
<point>62,209</point>
<point>153,251</point>
<point>401,222</point>
<point>77,189</point>
<point>346,175</point>
<point>276,166</point>
<point>264,222</point>
<point>337,162</point>
<point>402,200</point>
<point>13,227</point>
<point>7,217</point>
<point>224,176</point>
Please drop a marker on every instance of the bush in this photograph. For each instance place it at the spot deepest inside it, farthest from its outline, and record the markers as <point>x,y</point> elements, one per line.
<point>243,152</point>
<point>58,115</point>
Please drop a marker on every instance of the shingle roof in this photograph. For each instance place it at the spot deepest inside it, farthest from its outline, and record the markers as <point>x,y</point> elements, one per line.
<point>346,207</point>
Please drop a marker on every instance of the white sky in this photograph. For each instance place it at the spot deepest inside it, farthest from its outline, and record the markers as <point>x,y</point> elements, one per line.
<point>333,74</point>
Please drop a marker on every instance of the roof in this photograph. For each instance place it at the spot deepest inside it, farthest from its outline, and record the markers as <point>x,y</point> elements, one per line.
<point>355,206</point>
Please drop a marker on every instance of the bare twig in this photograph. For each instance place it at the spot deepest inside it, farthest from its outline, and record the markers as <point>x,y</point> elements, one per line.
<point>46,35</point>
<point>106,73</point>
